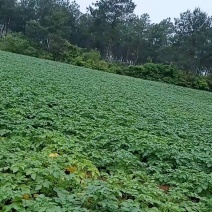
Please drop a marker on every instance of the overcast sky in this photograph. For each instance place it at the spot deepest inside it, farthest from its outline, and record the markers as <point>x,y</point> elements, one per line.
<point>161,9</point>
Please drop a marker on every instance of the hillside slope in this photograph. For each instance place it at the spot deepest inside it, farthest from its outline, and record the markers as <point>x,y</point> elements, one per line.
<point>74,139</point>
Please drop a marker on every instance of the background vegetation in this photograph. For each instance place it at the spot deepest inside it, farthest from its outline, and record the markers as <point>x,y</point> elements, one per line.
<point>110,37</point>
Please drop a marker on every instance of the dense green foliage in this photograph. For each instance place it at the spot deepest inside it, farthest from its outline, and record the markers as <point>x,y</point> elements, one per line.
<point>75,139</point>
<point>112,28</point>
<point>168,74</point>
<point>110,36</point>
<point>74,55</point>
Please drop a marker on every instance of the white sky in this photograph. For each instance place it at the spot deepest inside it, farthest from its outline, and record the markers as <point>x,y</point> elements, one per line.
<point>161,9</point>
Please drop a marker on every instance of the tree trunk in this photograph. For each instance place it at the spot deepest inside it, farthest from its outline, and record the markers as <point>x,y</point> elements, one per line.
<point>137,54</point>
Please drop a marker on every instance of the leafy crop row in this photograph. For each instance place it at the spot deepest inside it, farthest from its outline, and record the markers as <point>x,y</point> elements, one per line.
<point>74,139</point>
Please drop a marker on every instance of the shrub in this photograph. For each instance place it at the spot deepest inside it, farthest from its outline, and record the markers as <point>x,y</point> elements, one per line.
<point>78,61</point>
<point>135,71</point>
<point>201,84</point>
<point>209,81</point>
<point>45,55</point>
<point>92,55</point>
<point>151,71</point>
<point>103,66</point>
<point>73,55</point>
<point>17,43</point>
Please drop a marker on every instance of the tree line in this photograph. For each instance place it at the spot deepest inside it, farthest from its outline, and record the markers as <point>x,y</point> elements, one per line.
<point>111,37</point>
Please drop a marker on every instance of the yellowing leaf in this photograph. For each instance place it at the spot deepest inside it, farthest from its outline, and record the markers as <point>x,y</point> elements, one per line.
<point>53,155</point>
<point>71,169</point>
<point>26,196</point>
